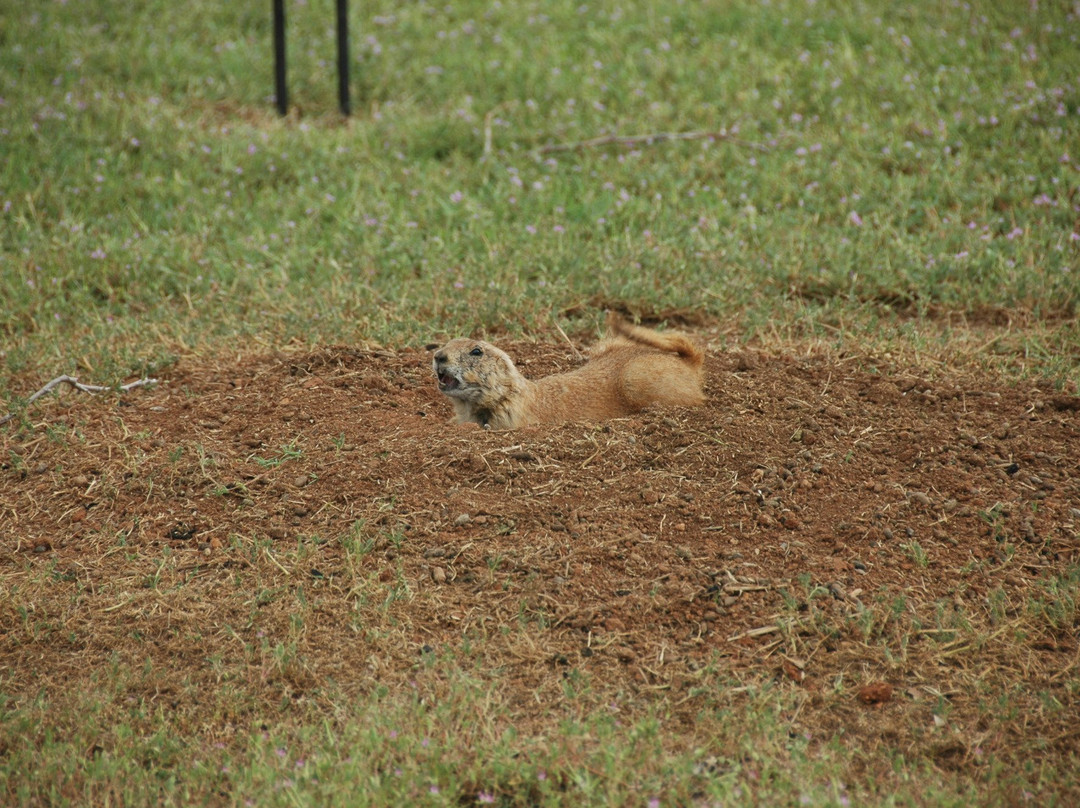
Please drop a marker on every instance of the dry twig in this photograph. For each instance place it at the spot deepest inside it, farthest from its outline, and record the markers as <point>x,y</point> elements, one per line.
<point>646,140</point>
<point>85,388</point>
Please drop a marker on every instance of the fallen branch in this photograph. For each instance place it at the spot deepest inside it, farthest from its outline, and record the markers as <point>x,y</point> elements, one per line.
<point>646,140</point>
<point>85,388</point>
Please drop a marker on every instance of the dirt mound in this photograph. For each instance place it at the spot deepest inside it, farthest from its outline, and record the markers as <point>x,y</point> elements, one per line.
<point>807,487</point>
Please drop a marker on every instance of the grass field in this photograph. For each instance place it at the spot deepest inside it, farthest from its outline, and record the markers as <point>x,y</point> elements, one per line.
<point>870,178</point>
<point>882,162</point>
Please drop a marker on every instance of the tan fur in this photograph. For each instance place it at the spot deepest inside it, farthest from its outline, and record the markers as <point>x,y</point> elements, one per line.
<point>630,370</point>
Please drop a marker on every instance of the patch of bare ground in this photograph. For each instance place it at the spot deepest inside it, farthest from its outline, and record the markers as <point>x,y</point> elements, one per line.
<point>881,541</point>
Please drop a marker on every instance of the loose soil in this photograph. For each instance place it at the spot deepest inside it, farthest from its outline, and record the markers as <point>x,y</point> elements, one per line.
<point>746,536</point>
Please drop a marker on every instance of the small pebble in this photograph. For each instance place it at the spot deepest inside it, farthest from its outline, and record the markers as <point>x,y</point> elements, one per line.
<point>790,521</point>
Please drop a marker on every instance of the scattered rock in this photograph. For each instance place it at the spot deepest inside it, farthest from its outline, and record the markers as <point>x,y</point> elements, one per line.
<point>790,521</point>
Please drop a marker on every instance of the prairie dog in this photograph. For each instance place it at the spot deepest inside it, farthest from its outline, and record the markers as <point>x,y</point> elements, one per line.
<point>631,369</point>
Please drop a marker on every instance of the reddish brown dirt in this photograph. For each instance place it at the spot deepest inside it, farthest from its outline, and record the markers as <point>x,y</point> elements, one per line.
<point>644,547</point>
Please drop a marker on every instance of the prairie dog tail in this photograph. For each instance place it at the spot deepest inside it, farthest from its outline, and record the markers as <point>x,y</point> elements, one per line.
<point>686,348</point>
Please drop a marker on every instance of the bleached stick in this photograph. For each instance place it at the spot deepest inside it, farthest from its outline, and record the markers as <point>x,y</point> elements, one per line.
<point>85,388</point>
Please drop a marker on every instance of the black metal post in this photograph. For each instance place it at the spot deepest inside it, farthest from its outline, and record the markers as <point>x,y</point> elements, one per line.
<point>343,55</point>
<point>281,93</point>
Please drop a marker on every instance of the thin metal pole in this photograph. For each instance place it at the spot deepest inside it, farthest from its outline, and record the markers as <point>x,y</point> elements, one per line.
<point>343,55</point>
<point>280,92</point>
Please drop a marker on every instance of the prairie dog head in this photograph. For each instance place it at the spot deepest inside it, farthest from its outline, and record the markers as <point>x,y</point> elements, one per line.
<point>475,372</point>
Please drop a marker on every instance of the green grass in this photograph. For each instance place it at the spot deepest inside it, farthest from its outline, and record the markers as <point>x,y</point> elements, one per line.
<point>879,161</point>
<point>154,204</point>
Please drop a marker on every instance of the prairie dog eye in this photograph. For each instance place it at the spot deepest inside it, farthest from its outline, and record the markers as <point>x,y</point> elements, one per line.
<point>476,352</point>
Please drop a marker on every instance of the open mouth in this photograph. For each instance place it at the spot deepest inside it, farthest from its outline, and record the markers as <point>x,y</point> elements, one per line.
<point>448,382</point>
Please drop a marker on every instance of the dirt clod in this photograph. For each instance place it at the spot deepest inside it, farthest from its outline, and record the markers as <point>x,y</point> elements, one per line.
<point>876,694</point>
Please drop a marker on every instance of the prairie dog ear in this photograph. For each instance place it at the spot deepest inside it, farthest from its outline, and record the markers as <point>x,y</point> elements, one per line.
<point>432,346</point>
